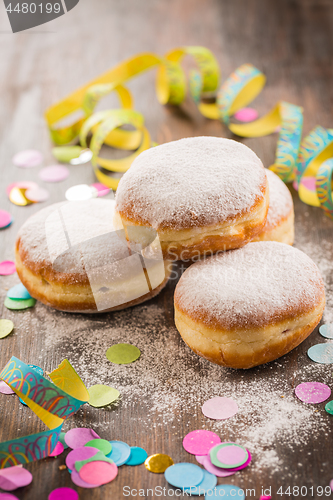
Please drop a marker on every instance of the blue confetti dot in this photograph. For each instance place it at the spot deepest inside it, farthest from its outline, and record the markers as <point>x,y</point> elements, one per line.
<point>184,475</point>
<point>137,457</point>
<point>18,292</point>
<point>226,491</point>
<point>208,483</point>
<point>121,449</point>
<point>326,331</point>
<point>321,353</point>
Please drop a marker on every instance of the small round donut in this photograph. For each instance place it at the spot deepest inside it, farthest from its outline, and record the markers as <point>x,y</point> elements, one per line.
<point>280,217</point>
<point>70,257</point>
<point>201,194</point>
<point>249,306</point>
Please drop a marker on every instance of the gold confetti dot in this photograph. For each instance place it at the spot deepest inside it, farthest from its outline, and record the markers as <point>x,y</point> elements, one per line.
<point>158,463</point>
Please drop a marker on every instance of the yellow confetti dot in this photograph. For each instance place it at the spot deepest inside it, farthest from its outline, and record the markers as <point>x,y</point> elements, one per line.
<point>158,463</point>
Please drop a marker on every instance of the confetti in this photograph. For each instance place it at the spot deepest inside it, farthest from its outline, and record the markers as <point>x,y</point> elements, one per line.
<point>63,494</point>
<point>219,408</point>
<point>5,219</point>
<point>312,392</point>
<point>331,484</point>
<point>18,292</point>
<point>84,157</point>
<point>7,496</point>
<point>18,305</point>
<point>119,447</point>
<point>123,354</point>
<point>101,189</point>
<point>67,153</point>
<point>98,457</point>
<point>14,477</point>
<point>5,389</point>
<point>100,444</point>
<point>329,407</point>
<point>200,458</point>
<point>37,195</point>
<point>200,442</point>
<point>59,448</point>
<point>217,471</point>
<point>158,463</point>
<point>228,455</point>
<point>184,475</point>
<point>326,331</point>
<point>102,395</point>
<point>28,158</point>
<point>75,477</point>
<point>79,454</point>
<point>6,327</point>
<point>98,472</point>
<point>80,192</point>
<point>54,173</point>
<point>137,457</point>
<point>228,491</point>
<point>17,196</point>
<point>321,353</point>
<point>78,437</point>
<point>21,185</point>
<point>62,440</point>
<point>265,497</point>
<point>7,267</point>
<point>246,115</point>
<point>208,483</point>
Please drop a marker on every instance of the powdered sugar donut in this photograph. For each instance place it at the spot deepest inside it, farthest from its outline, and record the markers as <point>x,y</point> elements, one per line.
<point>248,306</point>
<point>201,194</point>
<point>70,257</point>
<point>280,217</point>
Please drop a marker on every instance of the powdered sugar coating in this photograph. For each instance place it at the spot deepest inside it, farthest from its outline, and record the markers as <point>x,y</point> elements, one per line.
<point>193,182</point>
<point>250,287</point>
<point>280,201</point>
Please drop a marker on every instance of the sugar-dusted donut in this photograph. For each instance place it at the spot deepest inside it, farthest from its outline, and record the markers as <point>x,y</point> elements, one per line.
<point>201,194</point>
<point>70,257</point>
<point>280,217</point>
<point>248,306</point>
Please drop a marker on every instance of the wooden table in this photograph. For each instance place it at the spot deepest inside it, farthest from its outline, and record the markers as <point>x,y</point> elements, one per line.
<point>291,41</point>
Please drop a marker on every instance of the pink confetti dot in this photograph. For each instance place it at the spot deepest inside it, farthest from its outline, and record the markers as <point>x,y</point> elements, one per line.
<point>98,472</point>
<point>54,173</point>
<point>200,442</point>
<point>312,392</point>
<point>28,158</point>
<point>75,477</point>
<point>331,484</point>
<point>59,448</point>
<point>7,267</point>
<point>75,438</point>
<point>79,454</point>
<point>232,455</point>
<point>220,408</point>
<point>309,183</point>
<point>63,494</point>
<point>7,496</point>
<point>5,219</point>
<point>101,189</point>
<point>14,477</point>
<point>21,185</point>
<point>200,459</point>
<point>37,195</point>
<point>246,115</point>
<point>5,389</point>
<point>265,497</point>
<point>216,470</point>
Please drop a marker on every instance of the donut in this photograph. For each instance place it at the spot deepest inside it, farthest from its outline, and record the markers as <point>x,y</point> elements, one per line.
<point>70,257</point>
<point>201,195</point>
<point>280,217</point>
<point>249,306</point>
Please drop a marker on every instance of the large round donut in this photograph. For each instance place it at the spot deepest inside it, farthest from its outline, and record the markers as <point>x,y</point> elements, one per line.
<point>70,257</point>
<point>248,306</point>
<point>280,217</point>
<point>201,194</point>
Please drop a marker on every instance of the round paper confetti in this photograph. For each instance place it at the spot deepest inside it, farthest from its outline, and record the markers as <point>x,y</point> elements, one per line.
<point>227,492</point>
<point>123,354</point>
<point>75,477</point>
<point>37,195</point>
<point>200,458</point>
<point>5,219</point>
<point>101,444</point>
<point>54,173</point>
<point>7,496</point>
<point>63,494</point>
<point>18,305</point>
<point>329,407</point>
<point>79,454</point>
<point>21,185</point>
<point>17,196</point>
<point>84,157</point>
<point>158,463</point>
<point>120,452</point>
<point>326,331</point>
<point>101,189</point>
<point>5,389</point>
<point>208,483</point>
<point>75,438</point>
<point>98,472</point>
<point>228,455</point>
<point>217,471</point>
<point>59,448</point>
<point>184,475</point>
<point>246,115</point>
<point>80,192</point>
<point>18,292</point>
<point>200,442</point>
<point>7,267</point>
<point>28,158</point>
<point>220,408</point>
<point>321,353</point>
<point>99,457</point>
<point>14,477</point>
<point>102,395</point>
<point>312,392</point>
<point>62,440</point>
<point>6,327</point>
<point>137,457</point>
<point>331,484</point>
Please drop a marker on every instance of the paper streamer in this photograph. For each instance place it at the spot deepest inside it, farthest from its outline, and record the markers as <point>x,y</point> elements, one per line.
<point>53,402</point>
<point>296,160</point>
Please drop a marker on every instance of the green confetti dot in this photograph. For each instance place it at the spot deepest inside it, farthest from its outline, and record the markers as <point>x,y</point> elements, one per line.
<point>18,305</point>
<point>329,407</point>
<point>99,457</point>
<point>102,395</point>
<point>123,354</point>
<point>101,444</point>
<point>6,327</point>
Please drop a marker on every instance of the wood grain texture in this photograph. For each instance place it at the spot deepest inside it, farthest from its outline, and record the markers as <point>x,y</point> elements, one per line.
<point>292,42</point>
